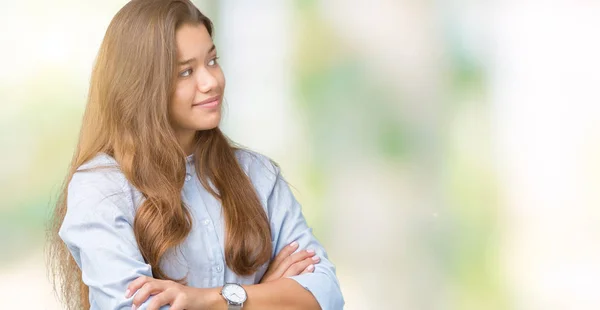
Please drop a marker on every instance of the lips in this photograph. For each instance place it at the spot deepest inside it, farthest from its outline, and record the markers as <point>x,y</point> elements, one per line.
<point>210,101</point>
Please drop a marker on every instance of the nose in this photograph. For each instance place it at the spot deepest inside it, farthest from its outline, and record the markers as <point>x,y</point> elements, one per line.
<point>206,81</point>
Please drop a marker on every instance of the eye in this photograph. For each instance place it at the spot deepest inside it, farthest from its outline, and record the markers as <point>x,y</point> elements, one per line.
<point>186,73</point>
<point>213,62</point>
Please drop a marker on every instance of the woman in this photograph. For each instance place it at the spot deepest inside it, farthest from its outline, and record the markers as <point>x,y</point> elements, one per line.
<point>159,210</point>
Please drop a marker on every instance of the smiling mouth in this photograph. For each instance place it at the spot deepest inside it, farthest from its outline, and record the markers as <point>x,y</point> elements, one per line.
<point>208,103</point>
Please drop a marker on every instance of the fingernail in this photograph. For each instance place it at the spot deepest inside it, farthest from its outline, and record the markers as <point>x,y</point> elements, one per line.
<point>309,268</point>
<point>316,258</point>
<point>127,292</point>
<point>310,251</point>
<point>294,244</point>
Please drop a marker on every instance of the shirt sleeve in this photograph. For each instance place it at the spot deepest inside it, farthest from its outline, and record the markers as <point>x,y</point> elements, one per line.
<point>322,283</point>
<point>98,231</point>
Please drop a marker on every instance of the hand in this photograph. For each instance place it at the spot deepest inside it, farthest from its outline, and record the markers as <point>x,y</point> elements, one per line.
<point>165,292</point>
<point>287,263</point>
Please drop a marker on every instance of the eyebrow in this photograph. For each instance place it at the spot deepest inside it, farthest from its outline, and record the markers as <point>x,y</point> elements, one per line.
<point>185,62</point>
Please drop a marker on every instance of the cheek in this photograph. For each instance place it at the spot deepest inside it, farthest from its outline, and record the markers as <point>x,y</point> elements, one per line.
<point>184,95</point>
<point>181,102</point>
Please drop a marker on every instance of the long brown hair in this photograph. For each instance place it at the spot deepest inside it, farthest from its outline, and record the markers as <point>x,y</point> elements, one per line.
<point>126,117</point>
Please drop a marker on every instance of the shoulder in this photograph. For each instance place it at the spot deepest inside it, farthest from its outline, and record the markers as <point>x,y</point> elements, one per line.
<point>273,190</point>
<point>262,170</point>
<point>101,172</point>
<point>100,160</point>
<point>257,164</point>
<point>99,182</point>
<point>99,200</point>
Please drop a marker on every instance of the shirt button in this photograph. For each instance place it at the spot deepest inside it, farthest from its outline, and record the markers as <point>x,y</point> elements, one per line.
<point>206,222</point>
<point>188,176</point>
<point>219,268</point>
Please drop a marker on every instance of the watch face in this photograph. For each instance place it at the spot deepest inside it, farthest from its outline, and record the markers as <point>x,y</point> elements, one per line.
<point>234,293</point>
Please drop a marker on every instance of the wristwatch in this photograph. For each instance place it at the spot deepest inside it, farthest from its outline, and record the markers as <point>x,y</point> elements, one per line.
<point>235,295</point>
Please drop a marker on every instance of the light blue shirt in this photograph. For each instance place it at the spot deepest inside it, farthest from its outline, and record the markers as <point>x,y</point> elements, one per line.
<point>97,229</point>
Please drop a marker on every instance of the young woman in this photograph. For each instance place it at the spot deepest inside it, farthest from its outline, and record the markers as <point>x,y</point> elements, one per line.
<point>159,209</point>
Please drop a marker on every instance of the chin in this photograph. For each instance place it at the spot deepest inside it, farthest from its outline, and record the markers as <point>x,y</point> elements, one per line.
<point>209,126</point>
<point>208,123</point>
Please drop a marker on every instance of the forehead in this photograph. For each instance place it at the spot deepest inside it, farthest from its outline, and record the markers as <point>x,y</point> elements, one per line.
<point>192,41</point>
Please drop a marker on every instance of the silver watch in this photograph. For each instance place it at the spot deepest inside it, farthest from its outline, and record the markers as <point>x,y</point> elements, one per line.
<point>235,295</point>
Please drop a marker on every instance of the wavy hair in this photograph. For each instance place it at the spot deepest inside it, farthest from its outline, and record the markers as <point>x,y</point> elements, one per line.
<point>126,117</point>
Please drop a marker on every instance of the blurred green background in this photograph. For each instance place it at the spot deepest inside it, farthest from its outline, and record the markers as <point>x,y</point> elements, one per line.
<point>445,152</point>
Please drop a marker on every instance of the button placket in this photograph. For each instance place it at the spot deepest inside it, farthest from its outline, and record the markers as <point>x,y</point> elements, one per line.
<point>218,261</point>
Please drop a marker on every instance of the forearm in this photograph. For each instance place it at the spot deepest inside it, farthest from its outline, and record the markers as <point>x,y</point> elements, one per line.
<point>280,294</point>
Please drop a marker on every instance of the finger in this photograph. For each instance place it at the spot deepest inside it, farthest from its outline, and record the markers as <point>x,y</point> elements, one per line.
<point>163,298</point>
<point>285,252</point>
<point>292,259</point>
<point>300,266</point>
<point>135,285</point>
<point>179,303</point>
<point>309,269</point>
<point>152,287</point>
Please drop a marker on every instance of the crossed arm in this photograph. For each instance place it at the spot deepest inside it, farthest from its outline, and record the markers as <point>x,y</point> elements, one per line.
<point>275,290</point>
<point>98,232</point>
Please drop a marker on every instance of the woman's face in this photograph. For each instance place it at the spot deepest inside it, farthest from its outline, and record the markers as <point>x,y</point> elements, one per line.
<point>199,82</point>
